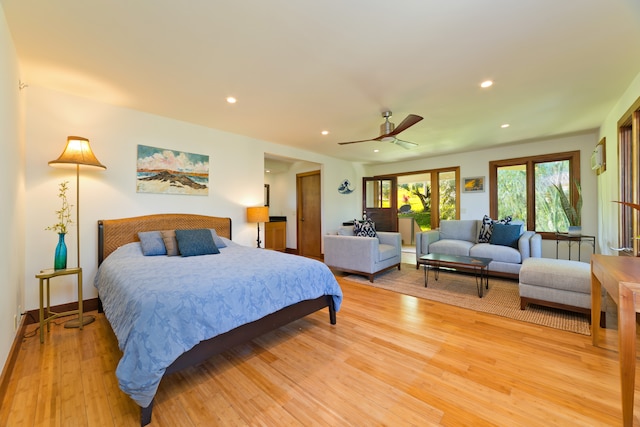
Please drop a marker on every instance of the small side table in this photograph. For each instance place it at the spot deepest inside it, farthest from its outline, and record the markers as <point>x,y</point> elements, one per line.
<point>45,276</point>
<point>578,239</point>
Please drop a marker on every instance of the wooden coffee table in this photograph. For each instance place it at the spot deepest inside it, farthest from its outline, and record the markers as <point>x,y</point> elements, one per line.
<point>479,265</point>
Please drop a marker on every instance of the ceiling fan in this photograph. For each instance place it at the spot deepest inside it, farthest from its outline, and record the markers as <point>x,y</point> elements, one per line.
<point>388,131</point>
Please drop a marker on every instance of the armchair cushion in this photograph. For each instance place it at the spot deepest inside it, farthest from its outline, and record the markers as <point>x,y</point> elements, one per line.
<point>386,252</point>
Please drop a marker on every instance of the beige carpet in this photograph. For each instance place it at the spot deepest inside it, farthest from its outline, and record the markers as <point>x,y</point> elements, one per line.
<point>502,297</point>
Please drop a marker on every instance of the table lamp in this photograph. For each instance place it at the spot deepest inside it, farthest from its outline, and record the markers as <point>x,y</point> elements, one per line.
<point>258,214</point>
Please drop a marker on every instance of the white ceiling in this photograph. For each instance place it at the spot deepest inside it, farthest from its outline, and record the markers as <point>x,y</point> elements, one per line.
<point>298,67</point>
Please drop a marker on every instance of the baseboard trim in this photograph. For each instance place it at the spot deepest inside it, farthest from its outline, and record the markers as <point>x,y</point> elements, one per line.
<point>33,316</point>
<point>13,356</point>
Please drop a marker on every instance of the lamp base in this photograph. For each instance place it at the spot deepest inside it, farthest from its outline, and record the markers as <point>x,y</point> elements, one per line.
<point>258,239</point>
<point>75,323</point>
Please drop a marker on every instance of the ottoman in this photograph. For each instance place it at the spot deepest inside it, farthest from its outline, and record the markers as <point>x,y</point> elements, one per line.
<point>557,283</point>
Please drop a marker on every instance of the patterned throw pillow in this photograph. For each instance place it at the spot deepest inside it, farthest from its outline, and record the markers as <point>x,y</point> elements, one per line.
<point>485,230</point>
<point>487,227</point>
<point>365,228</point>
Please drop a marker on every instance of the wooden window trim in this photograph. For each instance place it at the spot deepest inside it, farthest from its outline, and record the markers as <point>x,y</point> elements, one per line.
<point>530,162</point>
<point>435,190</point>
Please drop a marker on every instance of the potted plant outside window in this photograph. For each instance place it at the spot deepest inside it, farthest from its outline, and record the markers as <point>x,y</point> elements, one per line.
<point>571,211</point>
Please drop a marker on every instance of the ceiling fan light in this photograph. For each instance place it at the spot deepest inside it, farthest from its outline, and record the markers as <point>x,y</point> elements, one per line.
<point>388,139</point>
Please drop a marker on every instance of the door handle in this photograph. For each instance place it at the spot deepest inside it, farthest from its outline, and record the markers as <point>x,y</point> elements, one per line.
<point>626,250</point>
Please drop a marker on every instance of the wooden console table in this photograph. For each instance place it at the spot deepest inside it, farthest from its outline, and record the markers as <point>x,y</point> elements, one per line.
<point>620,276</point>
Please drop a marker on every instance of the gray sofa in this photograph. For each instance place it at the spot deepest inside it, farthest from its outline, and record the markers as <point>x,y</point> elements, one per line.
<point>460,237</point>
<point>365,256</point>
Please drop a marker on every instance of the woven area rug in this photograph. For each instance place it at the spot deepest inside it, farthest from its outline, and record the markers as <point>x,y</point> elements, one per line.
<point>502,297</point>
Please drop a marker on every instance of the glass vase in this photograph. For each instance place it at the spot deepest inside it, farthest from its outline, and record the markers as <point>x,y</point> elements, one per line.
<point>60,259</point>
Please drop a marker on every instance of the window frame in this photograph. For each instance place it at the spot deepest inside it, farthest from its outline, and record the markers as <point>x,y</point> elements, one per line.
<point>530,161</point>
<point>435,190</point>
<point>629,189</point>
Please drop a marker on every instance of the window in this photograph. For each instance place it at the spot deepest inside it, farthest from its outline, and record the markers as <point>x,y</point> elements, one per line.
<point>429,196</point>
<point>533,189</point>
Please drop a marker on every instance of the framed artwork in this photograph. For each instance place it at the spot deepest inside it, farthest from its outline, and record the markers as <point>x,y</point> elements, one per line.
<point>599,157</point>
<point>473,184</point>
<point>164,171</point>
<point>345,187</point>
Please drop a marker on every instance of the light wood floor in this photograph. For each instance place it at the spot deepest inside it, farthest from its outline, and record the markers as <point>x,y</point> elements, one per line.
<point>391,360</point>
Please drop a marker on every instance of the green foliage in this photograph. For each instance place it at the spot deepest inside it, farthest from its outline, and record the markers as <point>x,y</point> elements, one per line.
<point>423,219</point>
<point>64,213</point>
<point>448,199</point>
<point>512,193</point>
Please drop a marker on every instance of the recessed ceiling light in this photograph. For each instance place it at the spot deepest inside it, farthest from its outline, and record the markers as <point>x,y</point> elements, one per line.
<point>486,84</point>
<point>376,151</point>
<point>506,125</point>
<point>267,170</point>
<point>325,132</point>
<point>231,100</point>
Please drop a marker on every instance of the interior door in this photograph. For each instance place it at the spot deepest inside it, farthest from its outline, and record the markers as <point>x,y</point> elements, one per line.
<point>380,201</point>
<point>309,224</point>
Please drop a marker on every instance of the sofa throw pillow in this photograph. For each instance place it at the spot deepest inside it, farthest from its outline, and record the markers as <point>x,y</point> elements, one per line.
<point>485,230</point>
<point>505,235</point>
<point>487,227</point>
<point>196,242</point>
<point>364,228</point>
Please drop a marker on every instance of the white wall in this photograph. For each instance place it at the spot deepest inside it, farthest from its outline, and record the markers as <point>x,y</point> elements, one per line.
<point>476,163</point>
<point>11,192</point>
<point>609,181</point>
<point>236,177</point>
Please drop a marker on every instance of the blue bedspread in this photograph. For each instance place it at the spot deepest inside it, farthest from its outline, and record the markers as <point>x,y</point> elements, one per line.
<point>159,306</point>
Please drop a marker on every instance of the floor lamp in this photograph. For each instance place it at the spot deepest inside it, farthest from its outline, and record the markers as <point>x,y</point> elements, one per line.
<point>258,215</point>
<point>78,153</point>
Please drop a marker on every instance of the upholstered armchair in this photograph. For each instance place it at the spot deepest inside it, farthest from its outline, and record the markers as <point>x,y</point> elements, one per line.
<point>365,256</point>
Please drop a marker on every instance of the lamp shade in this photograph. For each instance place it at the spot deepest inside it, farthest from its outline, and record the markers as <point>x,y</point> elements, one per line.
<point>77,152</point>
<point>258,214</point>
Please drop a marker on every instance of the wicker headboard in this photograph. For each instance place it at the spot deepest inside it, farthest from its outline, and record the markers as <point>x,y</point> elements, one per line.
<point>113,233</point>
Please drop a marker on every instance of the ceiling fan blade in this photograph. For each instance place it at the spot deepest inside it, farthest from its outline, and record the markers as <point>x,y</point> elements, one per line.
<point>405,144</point>
<point>355,142</point>
<point>409,121</point>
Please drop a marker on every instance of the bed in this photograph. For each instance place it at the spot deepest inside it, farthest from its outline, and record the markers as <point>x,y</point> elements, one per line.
<point>171,312</point>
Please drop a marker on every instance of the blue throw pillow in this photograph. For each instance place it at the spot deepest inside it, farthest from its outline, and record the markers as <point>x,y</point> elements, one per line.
<point>505,235</point>
<point>196,242</point>
<point>152,243</point>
